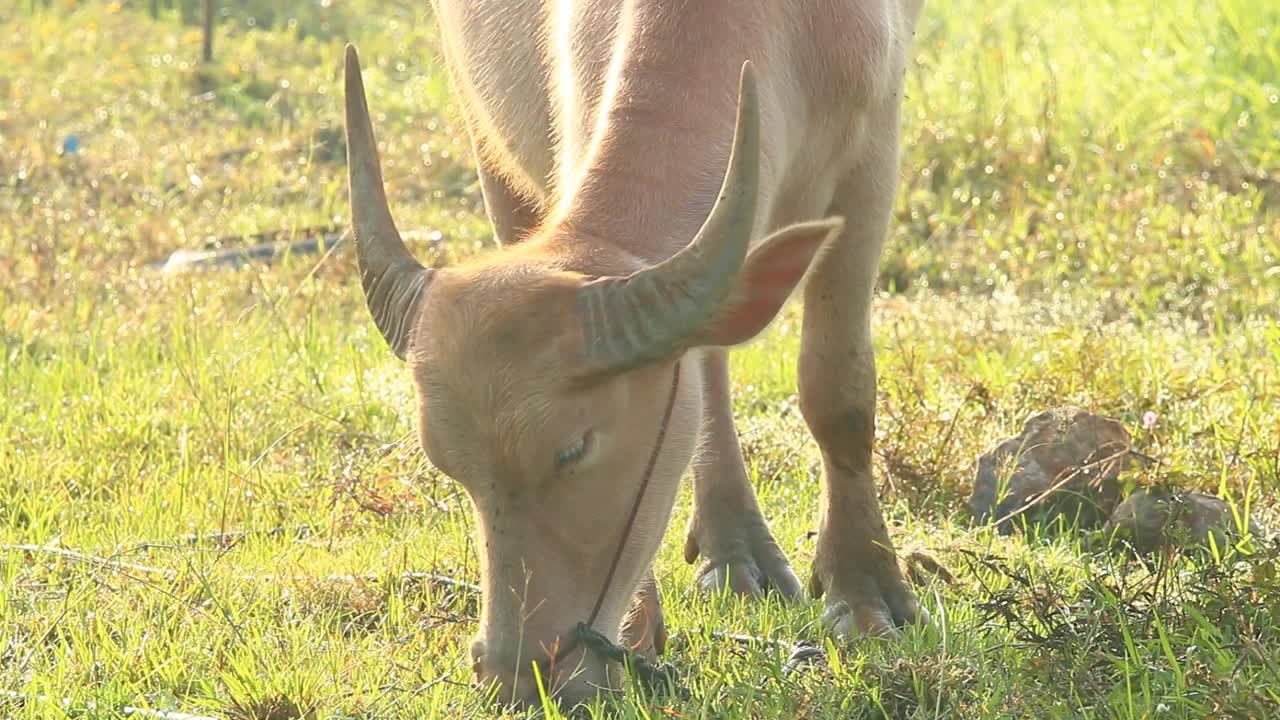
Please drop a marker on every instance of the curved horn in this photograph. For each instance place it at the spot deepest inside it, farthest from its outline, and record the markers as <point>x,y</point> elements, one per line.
<point>393,280</point>
<point>652,313</point>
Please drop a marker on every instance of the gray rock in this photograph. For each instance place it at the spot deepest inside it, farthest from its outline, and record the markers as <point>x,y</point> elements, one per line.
<point>1064,464</point>
<point>1152,519</point>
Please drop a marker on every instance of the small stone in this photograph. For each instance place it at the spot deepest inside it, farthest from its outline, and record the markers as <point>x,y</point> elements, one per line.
<point>1154,518</point>
<point>1064,463</point>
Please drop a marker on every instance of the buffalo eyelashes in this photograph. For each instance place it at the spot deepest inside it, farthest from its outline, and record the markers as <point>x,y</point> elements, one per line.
<point>574,453</point>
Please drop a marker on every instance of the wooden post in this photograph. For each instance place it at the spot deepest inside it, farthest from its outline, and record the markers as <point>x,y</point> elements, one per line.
<point>208,31</point>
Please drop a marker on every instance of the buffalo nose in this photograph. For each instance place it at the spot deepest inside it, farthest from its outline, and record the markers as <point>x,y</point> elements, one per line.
<point>575,679</point>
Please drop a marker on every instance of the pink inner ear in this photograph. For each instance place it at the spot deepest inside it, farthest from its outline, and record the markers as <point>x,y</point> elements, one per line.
<point>769,276</point>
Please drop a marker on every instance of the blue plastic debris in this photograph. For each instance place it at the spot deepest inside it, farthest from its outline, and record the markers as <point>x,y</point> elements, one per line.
<point>232,253</point>
<point>239,257</point>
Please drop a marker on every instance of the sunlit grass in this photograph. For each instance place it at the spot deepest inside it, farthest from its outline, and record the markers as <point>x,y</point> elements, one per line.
<point>1088,216</point>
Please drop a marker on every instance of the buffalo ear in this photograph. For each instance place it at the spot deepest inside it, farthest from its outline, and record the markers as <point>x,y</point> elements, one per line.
<point>770,273</point>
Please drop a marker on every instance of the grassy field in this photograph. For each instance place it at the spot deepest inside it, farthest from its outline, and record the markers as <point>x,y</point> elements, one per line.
<point>1090,214</point>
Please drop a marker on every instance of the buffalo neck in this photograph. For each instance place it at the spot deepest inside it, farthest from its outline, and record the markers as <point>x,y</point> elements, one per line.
<point>660,148</point>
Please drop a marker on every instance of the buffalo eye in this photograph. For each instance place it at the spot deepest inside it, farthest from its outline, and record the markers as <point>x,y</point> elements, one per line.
<point>574,452</point>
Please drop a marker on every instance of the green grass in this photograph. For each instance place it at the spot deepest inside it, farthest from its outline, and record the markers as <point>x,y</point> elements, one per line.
<point>1090,214</point>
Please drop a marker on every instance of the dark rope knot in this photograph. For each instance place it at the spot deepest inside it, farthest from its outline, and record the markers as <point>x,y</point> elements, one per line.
<point>654,676</point>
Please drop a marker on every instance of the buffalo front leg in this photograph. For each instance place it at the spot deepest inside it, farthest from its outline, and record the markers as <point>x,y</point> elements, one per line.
<point>643,628</point>
<point>727,529</point>
<point>512,216</point>
<point>855,566</point>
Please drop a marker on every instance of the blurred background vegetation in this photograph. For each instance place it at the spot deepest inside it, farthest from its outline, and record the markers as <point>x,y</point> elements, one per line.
<point>1164,117</point>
